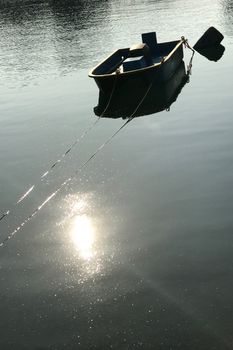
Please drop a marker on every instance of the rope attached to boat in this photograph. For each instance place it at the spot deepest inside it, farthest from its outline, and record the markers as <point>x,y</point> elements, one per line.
<point>186,44</point>
<point>189,66</point>
<point>58,161</point>
<point>67,181</point>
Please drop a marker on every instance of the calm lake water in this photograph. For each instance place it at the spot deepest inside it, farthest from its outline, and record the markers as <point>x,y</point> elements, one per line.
<point>135,251</point>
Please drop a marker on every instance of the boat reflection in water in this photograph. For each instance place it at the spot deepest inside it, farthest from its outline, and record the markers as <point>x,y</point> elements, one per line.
<point>212,53</point>
<point>130,100</point>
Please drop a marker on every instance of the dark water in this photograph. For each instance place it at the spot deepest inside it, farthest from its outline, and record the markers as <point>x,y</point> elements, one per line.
<point>135,252</point>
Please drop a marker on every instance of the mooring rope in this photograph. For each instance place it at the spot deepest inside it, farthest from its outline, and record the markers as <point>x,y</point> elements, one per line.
<point>59,160</point>
<point>68,180</point>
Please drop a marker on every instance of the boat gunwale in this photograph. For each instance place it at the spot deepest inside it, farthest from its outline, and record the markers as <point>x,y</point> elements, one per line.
<point>92,75</point>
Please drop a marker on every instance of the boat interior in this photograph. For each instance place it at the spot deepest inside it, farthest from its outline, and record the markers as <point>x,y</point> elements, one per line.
<point>139,56</point>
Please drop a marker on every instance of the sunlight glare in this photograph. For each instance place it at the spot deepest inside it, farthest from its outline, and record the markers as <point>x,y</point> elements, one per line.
<point>82,234</point>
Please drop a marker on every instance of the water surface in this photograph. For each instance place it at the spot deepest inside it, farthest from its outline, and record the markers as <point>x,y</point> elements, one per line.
<point>135,252</point>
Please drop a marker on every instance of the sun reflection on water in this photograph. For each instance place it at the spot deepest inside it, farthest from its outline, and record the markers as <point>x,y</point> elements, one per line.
<point>83,235</point>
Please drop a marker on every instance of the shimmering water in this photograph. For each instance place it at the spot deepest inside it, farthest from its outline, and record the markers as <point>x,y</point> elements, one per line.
<point>135,252</point>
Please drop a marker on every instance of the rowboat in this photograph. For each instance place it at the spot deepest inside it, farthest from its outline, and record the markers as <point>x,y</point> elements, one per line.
<point>142,63</point>
<point>125,100</point>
